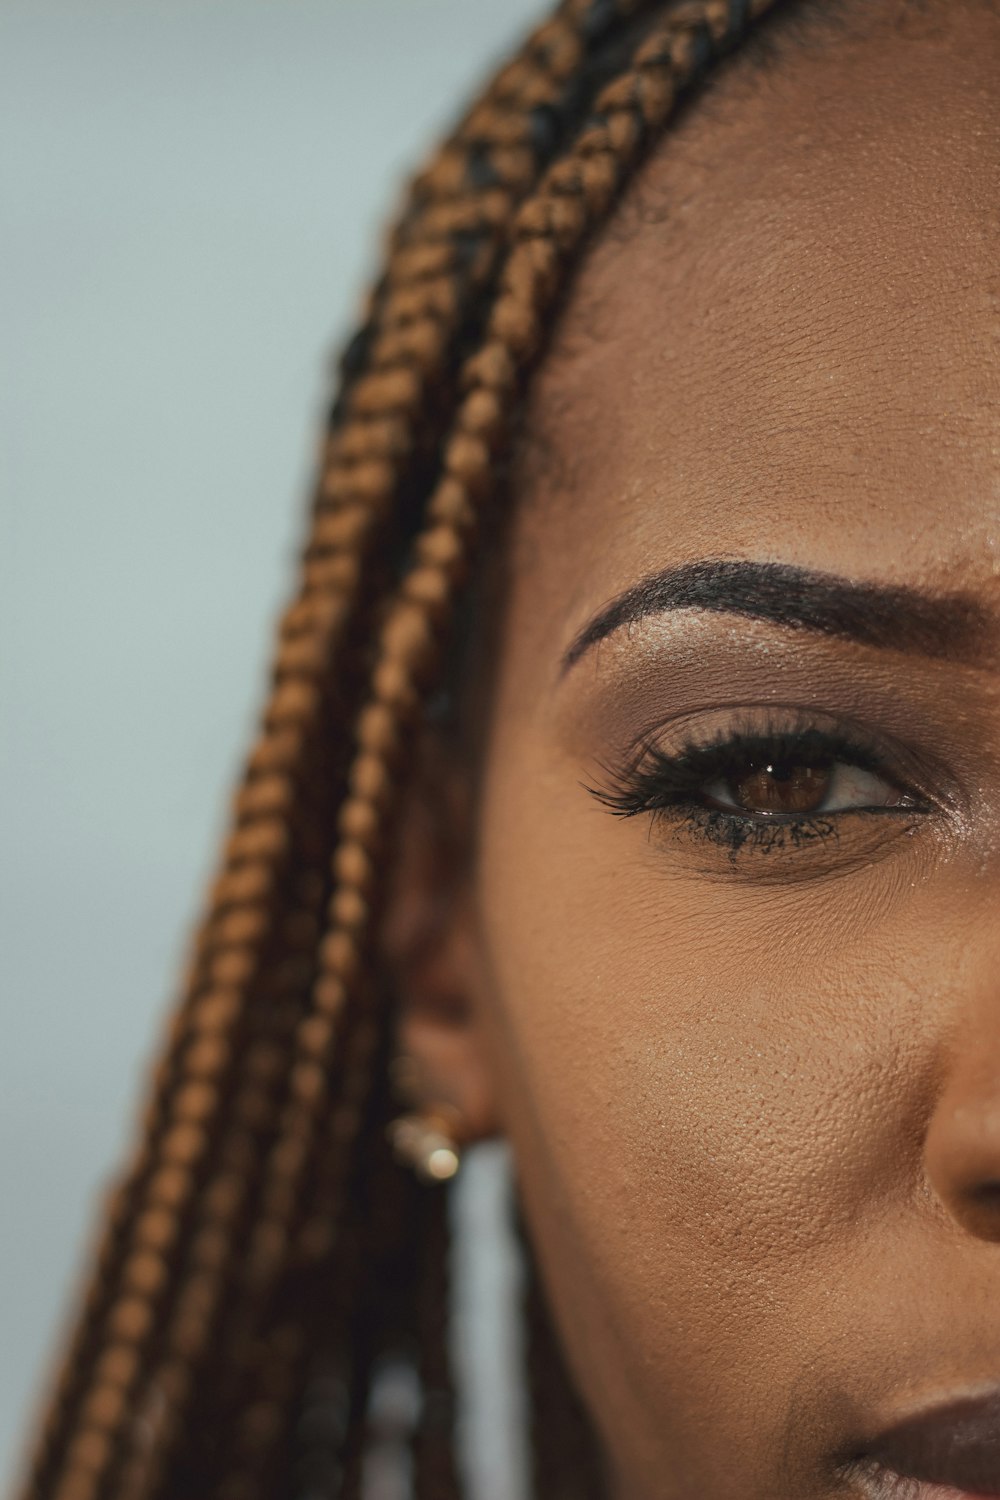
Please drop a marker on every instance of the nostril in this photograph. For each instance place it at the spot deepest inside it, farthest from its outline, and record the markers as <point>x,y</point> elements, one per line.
<point>976,1206</point>
<point>962,1148</point>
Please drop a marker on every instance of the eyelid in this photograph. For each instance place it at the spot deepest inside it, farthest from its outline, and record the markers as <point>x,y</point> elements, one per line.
<point>707,728</point>
<point>716,727</point>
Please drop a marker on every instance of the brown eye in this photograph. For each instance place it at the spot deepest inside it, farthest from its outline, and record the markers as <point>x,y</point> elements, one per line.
<point>783,787</point>
<point>800,788</point>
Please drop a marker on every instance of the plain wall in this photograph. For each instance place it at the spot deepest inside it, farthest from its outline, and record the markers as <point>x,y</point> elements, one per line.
<point>190,198</point>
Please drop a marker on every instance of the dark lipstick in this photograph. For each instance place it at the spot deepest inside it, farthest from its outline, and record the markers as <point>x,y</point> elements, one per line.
<point>956,1446</point>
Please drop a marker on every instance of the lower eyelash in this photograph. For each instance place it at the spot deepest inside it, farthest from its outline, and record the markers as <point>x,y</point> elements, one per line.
<point>727,830</point>
<point>735,833</point>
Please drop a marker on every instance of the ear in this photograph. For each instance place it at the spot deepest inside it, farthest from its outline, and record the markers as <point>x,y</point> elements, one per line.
<point>428,941</point>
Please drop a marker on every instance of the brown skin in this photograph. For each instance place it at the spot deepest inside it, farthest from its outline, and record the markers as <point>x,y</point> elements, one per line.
<point>754,1099</point>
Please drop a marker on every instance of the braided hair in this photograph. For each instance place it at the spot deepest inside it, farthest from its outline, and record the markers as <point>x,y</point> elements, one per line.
<point>263,1255</point>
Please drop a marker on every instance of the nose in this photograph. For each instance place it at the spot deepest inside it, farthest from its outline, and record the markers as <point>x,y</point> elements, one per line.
<point>962,1146</point>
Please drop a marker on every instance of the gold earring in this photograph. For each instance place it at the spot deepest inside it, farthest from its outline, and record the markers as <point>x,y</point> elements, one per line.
<point>423,1137</point>
<point>425,1142</point>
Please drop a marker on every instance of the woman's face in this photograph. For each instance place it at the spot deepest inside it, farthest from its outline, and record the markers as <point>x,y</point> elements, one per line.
<point>746,1041</point>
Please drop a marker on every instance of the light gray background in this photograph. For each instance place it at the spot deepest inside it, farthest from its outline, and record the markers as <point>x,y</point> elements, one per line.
<point>190,195</point>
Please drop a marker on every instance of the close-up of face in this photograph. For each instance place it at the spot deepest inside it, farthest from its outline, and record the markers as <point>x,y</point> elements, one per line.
<point>726,929</point>
<point>583,1075</point>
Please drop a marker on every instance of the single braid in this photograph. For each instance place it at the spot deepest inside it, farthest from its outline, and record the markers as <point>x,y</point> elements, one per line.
<point>265,1100</point>
<point>436,1475</point>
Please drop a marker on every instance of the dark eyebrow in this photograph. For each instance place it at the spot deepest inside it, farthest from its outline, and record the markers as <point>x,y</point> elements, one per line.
<point>892,617</point>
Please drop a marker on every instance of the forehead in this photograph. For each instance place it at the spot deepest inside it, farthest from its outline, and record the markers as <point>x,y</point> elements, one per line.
<point>785,344</point>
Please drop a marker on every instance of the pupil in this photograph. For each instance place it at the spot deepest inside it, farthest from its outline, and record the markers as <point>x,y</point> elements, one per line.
<point>783,787</point>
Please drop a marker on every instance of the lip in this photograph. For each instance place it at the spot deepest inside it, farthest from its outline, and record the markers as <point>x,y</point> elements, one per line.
<point>953,1448</point>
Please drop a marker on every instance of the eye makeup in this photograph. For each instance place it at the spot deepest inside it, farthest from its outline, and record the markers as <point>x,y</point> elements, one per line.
<point>763,780</point>
<point>687,687</point>
<point>741,751</point>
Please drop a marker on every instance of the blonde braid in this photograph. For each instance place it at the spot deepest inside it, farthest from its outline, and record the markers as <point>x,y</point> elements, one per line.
<point>353,497</point>
<point>378,395</point>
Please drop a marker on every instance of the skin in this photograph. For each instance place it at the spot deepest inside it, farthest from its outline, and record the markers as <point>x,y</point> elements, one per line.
<point>754,1098</point>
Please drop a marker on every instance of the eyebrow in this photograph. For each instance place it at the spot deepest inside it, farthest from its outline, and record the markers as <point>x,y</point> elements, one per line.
<point>952,627</point>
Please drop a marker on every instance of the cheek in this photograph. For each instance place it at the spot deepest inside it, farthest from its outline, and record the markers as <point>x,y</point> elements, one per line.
<point>711,1092</point>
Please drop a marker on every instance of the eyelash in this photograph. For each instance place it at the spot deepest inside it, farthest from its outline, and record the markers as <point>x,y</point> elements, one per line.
<point>669,785</point>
